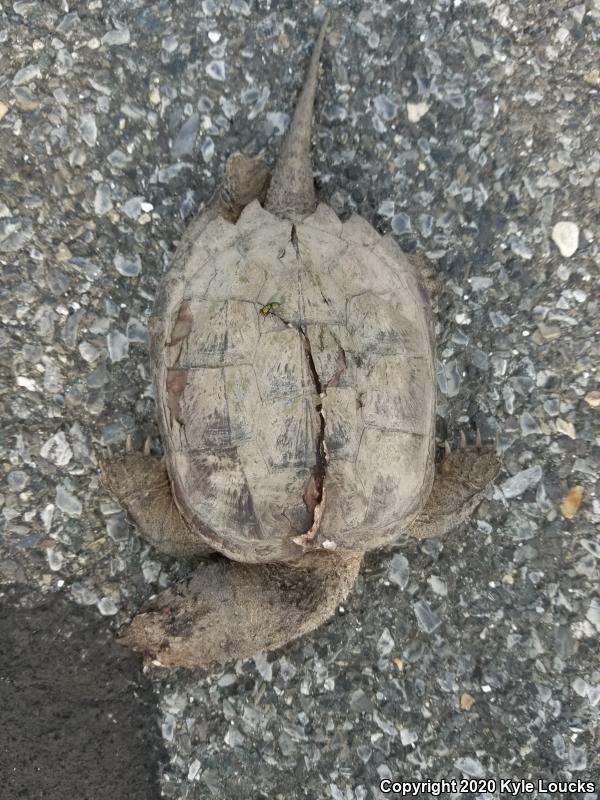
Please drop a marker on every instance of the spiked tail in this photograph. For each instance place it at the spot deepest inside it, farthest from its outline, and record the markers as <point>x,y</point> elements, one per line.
<point>292,192</point>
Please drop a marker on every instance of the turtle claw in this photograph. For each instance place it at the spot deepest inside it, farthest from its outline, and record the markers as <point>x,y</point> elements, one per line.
<point>147,446</point>
<point>463,446</point>
<point>445,462</point>
<point>129,443</point>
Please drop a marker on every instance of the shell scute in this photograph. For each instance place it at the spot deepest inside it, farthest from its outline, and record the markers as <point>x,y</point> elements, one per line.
<point>321,301</point>
<point>288,431</point>
<point>212,487</point>
<point>324,218</point>
<point>343,423</point>
<point>378,324</point>
<point>222,333</point>
<point>395,393</point>
<point>358,231</point>
<point>330,348</point>
<point>386,464</point>
<point>280,369</point>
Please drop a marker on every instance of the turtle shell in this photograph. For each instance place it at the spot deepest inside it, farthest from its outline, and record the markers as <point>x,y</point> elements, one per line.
<point>294,379</point>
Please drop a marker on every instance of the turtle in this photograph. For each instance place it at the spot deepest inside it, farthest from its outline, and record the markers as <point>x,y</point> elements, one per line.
<point>292,355</point>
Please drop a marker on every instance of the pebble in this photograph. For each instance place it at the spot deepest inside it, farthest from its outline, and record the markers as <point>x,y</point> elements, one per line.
<point>118,346</point>
<point>234,737</point>
<point>128,264</point>
<point>193,770</point>
<point>566,428</point>
<point>449,378</point>
<point>565,236</point>
<point>408,736</point>
<point>470,766</point>
<point>593,399</point>
<point>519,483</point>
<point>593,613</point>
<point>216,70</point>
<point>593,693</point>
<point>17,480</point>
<point>263,666</point>
<point>399,571</point>
<point>438,585</point>
<point>102,199</point>
<point>151,571</point>
<point>15,233</point>
<point>207,148</point>
<point>385,107</point>
<point>117,527</point>
<point>88,130</point>
<point>416,111</point>
<point>385,643</point>
<point>88,352</point>
<point>47,515</point>
<point>168,727</point>
<point>386,208</point>
<point>117,37</point>
<point>137,331</point>
<point>55,559</point>
<point>427,618</point>
<point>577,758</point>
<point>68,502</point>
<point>132,208</point>
<point>27,74</point>
<point>529,425</point>
<point>401,224</point>
<point>184,142</point>
<point>425,222</point>
<point>107,607</point>
<point>57,450</point>
<point>277,123</point>
<point>83,595</point>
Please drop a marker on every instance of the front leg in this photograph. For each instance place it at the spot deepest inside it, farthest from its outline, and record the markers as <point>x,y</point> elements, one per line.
<point>461,479</point>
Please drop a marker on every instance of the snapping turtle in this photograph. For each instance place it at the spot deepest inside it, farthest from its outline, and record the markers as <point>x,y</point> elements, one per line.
<point>293,365</point>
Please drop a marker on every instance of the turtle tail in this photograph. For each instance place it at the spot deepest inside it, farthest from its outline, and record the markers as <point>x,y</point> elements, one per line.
<point>292,191</point>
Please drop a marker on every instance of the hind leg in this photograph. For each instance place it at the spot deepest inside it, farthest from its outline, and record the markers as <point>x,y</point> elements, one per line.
<point>141,484</point>
<point>225,610</point>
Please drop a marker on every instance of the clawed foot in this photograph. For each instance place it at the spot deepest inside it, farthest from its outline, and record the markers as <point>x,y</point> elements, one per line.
<point>475,465</point>
<point>461,478</point>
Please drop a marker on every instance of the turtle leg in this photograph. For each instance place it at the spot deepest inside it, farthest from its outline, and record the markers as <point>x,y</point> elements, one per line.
<point>226,610</point>
<point>461,479</point>
<point>428,274</point>
<point>141,484</point>
<point>245,180</point>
